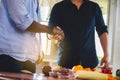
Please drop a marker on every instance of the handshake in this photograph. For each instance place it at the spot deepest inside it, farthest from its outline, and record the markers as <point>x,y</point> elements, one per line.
<point>56,33</point>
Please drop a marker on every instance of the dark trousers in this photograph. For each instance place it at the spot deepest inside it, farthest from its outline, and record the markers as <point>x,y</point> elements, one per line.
<point>9,64</point>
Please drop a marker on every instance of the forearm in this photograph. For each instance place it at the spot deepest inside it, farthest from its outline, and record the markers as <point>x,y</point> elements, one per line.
<point>37,27</point>
<point>104,43</point>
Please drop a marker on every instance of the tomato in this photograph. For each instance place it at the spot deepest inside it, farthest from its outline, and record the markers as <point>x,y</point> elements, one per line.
<point>106,70</point>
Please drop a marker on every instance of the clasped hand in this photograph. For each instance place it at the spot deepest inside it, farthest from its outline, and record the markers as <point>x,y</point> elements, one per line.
<point>58,33</point>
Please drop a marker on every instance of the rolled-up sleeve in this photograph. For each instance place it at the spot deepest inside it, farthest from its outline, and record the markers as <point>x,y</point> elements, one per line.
<point>18,13</point>
<point>100,25</point>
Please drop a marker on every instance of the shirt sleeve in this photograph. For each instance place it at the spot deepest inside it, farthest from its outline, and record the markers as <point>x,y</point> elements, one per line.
<point>100,25</point>
<point>18,13</point>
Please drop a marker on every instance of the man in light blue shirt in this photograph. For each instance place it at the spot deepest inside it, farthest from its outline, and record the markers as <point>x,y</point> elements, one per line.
<point>19,21</point>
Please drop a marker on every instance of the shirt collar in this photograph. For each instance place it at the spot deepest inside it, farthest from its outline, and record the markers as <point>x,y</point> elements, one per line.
<point>69,2</point>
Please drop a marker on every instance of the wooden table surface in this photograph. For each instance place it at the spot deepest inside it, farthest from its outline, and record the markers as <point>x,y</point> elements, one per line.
<point>24,76</point>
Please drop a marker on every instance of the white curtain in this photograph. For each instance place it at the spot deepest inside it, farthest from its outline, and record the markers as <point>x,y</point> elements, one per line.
<point>114,31</point>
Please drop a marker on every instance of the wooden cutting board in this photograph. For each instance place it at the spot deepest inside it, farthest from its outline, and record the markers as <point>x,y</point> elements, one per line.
<point>81,74</point>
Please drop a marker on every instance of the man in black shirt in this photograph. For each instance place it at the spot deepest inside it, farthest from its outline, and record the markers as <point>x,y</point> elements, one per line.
<point>79,19</point>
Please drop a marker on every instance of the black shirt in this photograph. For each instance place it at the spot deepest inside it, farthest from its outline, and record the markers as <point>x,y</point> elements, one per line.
<point>79,27</point>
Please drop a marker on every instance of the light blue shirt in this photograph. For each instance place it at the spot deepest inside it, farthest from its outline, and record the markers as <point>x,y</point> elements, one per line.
<point>15,17</point>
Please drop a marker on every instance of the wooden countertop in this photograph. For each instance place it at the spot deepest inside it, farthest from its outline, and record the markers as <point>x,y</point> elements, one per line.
<point>24,76</point>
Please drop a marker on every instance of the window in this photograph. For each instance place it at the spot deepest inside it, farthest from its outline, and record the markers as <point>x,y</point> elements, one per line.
<point>48,48</point>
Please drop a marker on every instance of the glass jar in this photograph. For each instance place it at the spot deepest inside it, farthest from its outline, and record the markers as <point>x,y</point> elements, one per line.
<point>118,73</point>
